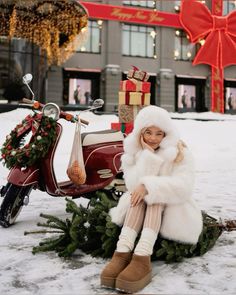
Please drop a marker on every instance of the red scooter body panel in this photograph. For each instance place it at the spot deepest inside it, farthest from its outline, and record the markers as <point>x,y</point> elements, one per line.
<point>46,166</point>
<point>102,161</point>
<point>102,164</point>
<point>24,176</point>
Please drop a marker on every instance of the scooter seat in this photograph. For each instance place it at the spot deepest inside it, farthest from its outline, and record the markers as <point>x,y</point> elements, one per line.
<point>101,137</point>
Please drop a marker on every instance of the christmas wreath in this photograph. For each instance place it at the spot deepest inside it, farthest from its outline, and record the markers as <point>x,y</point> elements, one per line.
<point>15,153</point>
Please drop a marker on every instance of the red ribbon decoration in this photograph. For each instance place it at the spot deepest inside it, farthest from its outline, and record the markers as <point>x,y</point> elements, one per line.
<point>127,98</point>
<point>219,32</point>
<point>32,122</point>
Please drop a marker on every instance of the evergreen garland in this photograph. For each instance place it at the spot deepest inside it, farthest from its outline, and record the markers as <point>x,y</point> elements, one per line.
<point>91,230</point>
<point>15,153</point>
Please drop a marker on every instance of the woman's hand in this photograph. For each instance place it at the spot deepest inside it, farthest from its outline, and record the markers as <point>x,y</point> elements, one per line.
<point>138,195</point>
<point>145,145</point>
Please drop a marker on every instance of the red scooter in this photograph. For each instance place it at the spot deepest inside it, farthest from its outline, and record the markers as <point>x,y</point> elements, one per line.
<point>101,151</point>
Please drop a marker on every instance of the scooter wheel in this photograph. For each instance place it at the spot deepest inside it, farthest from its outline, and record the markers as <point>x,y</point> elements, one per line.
<point>12,204</point>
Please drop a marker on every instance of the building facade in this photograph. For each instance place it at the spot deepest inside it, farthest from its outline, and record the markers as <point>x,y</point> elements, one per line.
<point>113,46</point>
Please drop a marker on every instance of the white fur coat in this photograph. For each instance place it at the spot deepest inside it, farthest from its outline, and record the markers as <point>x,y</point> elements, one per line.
<point>166,181</point>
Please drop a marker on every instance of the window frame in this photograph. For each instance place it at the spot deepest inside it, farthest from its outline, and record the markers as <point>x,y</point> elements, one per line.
<point>91,27</point>
<point>130,3</point>
<point>195,47</point>
<point>140,27</point>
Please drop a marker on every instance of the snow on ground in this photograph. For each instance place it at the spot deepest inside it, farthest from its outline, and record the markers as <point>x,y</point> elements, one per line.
<point>213,144</point>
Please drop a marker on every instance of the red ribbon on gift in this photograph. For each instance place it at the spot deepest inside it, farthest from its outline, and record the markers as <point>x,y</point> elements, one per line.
<point>123,127</point>
<point>127,97</point>
<point>219,33</point>
<point>32,122</point>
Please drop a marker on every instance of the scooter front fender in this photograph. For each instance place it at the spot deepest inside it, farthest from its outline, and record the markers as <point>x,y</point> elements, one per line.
<point>24,176</point>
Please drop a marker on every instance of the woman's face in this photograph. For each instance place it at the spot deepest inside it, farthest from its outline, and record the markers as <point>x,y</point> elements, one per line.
<point>153,136</point>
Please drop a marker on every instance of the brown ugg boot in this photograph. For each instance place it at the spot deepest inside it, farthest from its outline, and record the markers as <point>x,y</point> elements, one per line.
<point>118,262</point>
<point>136,275</point>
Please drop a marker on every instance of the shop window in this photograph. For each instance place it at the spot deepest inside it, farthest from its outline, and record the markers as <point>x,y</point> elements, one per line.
<point>93,43</point>
<point>230,97</point>
<point>80,88</point>
<point>184,50</point>
<point>228,6</point>
<point>139,41</point>
<point>190,94</point>
<point>186,97</point>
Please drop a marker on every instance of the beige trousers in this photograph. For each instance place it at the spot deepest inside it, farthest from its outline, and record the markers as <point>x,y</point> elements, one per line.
<point>144,218</point>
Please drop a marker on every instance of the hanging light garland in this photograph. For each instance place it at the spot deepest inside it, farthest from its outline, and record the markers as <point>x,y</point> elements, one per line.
<point>57,27</point>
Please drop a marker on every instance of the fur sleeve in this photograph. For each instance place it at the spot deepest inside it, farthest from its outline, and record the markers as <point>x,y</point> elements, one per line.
<point>174,189</point>
<point>134,168</point>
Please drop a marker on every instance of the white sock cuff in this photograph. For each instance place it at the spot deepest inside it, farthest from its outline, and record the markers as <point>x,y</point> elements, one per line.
<point>149,234</point>
<point>146,242</point>
<point>126,239</point>
<point>129,232</point>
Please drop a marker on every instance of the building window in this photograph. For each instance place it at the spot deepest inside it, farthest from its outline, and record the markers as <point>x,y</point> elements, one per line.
<point>93,43</point>
<point>138,41</point>
<point>228,6</point>
<point>147,3</point>
<point>184,50</point>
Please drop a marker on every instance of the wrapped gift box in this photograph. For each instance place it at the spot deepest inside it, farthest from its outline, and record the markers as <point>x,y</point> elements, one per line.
<point>137,74</point>
<point>135,86</point>
<point>123,127</point>
<point>134,98</point>
<point>127,113</point>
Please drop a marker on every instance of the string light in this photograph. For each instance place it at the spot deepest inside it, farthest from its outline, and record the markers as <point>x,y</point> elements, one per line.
<point>176,53</point>
<point>202,42</point>
<point>177,32</point>
<point>153,34</point>
<point>177,8</point>
<point>99,22</point>
<point>189,54</point>
<point>58,27</point>
<point>154,5</point>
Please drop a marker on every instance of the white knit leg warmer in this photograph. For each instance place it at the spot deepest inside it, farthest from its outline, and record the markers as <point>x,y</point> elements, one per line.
<point>146,242</point>
<point>126,239</point>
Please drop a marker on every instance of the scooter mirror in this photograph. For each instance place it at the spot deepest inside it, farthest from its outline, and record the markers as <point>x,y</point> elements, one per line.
<point>27,78</point>
<point>98,103</point>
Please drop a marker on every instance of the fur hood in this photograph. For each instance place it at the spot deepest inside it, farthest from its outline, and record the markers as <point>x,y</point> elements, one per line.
<point>154,116</point>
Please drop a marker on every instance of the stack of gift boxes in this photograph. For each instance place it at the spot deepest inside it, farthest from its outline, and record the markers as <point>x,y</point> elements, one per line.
<point>134,94</point>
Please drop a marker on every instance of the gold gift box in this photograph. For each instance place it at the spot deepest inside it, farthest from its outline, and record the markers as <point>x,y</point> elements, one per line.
<point>134,98</point>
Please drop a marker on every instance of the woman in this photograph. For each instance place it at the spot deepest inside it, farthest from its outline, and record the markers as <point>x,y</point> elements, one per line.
<point>159,176</point>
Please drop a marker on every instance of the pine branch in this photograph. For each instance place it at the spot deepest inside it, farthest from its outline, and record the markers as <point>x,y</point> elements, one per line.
<point>42,232</point>
<point>61,223</point>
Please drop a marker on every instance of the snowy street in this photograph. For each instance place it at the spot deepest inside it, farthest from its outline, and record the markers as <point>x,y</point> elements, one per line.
<point>213,145</point>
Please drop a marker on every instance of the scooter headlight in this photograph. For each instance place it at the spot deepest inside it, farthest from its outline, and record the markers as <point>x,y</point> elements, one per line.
<point>51,110</point>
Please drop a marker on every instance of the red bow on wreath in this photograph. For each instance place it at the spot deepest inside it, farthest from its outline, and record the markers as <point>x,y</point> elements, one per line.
<point>219,33</point>
<point>32,122</point>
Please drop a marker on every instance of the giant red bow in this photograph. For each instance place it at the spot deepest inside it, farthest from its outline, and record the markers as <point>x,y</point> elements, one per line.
<point>30,122</point>
<point>219,33</point>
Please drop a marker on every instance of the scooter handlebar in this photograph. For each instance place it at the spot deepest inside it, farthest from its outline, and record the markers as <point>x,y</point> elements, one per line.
<point>71,118</point>
<point>63,115</point>
<point>28,101</point>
